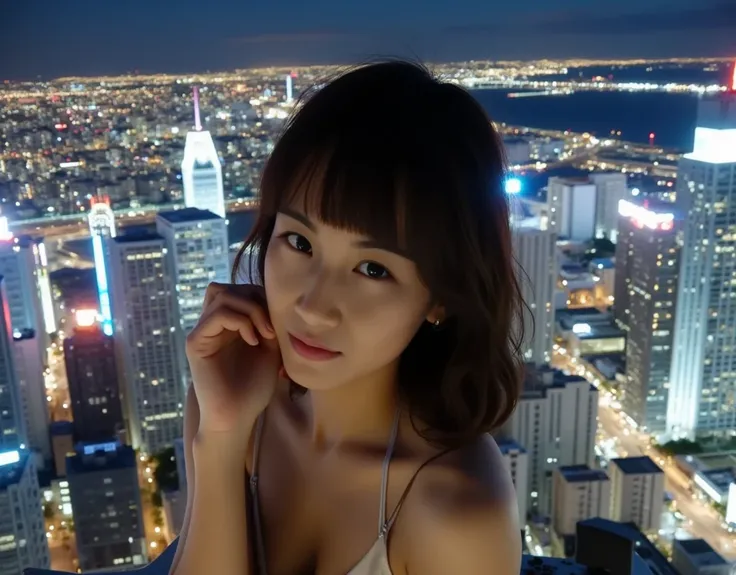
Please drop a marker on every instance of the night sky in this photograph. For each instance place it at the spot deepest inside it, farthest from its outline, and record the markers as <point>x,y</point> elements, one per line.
<point>51,38</point>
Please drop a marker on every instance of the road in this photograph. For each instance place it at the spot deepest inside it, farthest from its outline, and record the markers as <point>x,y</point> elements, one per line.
<point>701,520</point>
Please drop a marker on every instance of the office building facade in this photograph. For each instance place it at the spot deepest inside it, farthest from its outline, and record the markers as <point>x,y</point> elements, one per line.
<point>637,492</point>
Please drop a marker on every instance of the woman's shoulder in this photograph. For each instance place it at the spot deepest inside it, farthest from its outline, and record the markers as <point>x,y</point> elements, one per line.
<point>465,510</point>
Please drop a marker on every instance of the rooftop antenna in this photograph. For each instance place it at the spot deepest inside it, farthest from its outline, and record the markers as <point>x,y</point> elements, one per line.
<point>197,121</point>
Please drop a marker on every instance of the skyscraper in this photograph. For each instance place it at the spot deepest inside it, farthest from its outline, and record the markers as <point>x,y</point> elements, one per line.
<point>22,531</point>
<point>196,242</point>
<point>201,169</point>
<point>13,434</point>
<point>102,227</point>
<point>32,394</point>
<point>647,266</point>
<point>89,355</point>
<point>535,252</point>
<point>703,389</point>
<point>145,338</point>
<point>22,264</point>
<point>555,422</point>
<point>106,499</point>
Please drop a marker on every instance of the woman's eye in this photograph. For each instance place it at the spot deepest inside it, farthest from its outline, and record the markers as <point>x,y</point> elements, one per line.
<point>374,271</point>
<point>299,243</point>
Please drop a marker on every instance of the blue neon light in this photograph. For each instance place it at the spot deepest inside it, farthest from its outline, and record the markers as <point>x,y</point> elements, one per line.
<point>513,186</point>
<point>102,289</point>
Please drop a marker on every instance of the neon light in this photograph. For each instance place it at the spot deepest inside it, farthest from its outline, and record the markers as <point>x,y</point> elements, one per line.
<point>197,122</point>
<point>85,317</point>
<point>9,457</point>
<point>512,186</point>
<point>289,89</point>
<point>733,78</point>
<point>102,288</point>
<point>581,329</point>
<point>643,217</point>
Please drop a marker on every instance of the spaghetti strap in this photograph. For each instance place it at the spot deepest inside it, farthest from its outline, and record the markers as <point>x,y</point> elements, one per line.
<point>382,506</point>
<point>395,513</point>
<point>260,551</point>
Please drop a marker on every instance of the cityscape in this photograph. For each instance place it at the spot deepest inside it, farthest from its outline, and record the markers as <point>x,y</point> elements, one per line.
<point>122,197</point>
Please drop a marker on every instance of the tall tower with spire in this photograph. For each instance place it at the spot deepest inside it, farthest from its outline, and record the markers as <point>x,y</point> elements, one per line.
<point>201,170</point>
<point>102,227</point>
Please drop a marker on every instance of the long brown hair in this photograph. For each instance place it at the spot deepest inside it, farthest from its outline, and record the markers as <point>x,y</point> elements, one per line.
<point>389,151</point>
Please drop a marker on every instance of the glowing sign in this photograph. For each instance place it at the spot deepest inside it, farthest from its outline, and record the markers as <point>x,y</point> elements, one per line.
<point>85,317</point>
<point>643,217</point>
<point>9,457</point>
<point>512,186</point>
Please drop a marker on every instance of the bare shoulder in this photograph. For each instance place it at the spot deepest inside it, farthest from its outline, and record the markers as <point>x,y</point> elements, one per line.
<point>463,515</point>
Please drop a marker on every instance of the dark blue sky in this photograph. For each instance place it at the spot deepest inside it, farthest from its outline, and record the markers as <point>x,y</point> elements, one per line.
<point>62,37</point>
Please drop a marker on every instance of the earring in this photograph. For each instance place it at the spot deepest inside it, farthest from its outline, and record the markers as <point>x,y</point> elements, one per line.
<point>436,323</point>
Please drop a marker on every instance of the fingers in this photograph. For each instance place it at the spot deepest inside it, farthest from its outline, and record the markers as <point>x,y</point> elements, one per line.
<point>247,307</point>
<point>223,319</point>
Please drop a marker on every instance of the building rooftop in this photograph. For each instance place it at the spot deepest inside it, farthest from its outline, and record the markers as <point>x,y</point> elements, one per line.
<point>601,332</point>
<point>132,236</point>
<point>580,473</point>
<point>721,478</point>
<point>700,552</point>
<point>637,465</point>
<point>186,215</point>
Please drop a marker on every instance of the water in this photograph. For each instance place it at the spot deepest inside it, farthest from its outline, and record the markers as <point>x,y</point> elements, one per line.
<point>671,117</point>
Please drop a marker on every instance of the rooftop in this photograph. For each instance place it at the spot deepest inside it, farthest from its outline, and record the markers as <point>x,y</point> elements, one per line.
<point>187,215</point>
<point>98,457</point>
<point>700,552</point>
<point>132,236</point>
<point>580,473</point>
<point>637,465</point>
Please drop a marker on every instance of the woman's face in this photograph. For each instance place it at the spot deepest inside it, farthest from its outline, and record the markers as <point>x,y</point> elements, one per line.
<point>342,306</point>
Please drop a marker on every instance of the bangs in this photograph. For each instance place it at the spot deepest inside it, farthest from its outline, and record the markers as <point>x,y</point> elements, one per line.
<point>349,188</point>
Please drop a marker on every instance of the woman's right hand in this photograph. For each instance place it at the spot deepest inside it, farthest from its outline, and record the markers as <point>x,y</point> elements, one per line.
<point>234,359</point>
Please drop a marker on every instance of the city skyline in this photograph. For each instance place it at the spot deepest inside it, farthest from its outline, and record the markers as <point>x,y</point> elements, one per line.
<point>158,38</point>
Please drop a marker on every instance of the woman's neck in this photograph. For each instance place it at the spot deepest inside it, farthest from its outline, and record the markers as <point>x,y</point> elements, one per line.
<point>360,411</point>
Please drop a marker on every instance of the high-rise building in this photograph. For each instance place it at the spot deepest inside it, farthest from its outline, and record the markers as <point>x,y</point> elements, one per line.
<point>702,398</point>
<point>583,208</point>
<point>637,492</point>
<point>22,530</point>
<point>197,246</point>
<point>536,254</point>
<point>23,265</point>
<point>32,394</point>
<point>106,499</point>
<point>647,266</point>
<point>13,433</point>
<point>102,227</point>
<point>201,169</point>
<point>611,188</point>
<point>146,321</point>
<point>289,89</point>
<point>92,375</point>
<point>516,460</point>
<point>579,493</point>
<point>555,422</point>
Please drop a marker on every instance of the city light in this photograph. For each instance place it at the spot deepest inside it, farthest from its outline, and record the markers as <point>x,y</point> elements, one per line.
<point>733,78</point>
<point>9,457</point>
<point>513,186</point>
<point>643,217</point>
<point>581,329</point>
<point>85,317</point>
<point>5,234</point>
<point>714,146</point>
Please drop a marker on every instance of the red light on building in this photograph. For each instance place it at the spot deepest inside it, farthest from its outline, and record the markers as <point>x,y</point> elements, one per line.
<point>651,138</point>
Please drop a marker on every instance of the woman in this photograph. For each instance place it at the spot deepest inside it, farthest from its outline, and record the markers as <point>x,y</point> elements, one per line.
<point>357,387</point>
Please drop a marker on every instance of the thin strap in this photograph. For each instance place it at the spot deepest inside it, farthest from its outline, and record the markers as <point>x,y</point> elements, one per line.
<point>384,472</point>
<point>260,551</point>
<point>394,515</point>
